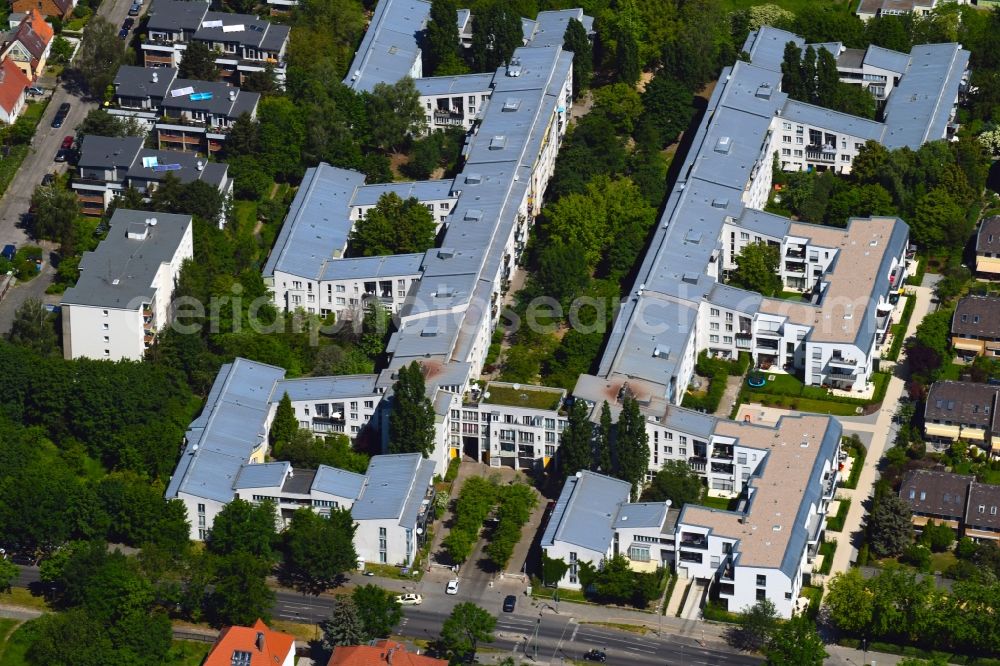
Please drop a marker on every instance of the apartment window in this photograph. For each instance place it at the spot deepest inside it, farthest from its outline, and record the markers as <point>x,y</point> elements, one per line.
<point>107,339</point>
<point>761,595</point>
<point>550,450</point>
<point>106,327</point>
<point>340,301</point>
<point>761,580</point>
<point>913,493</point>
<point>669,436</point>
<point>369,404</point>
<point>682,451</point>
<point>982,508</point>
<point>744,235</point>
<point>786,126</point>
<point>798,153</point>
<point>104,312</point>
<point>382,545</point>
<point>786,138</point>
<point>923,495</point>
<point>714,326</point>
<point>683,440</point>
<point>845,158</point>
<point>638,553</point>
<point>786,152</point>
<point>798,142</point>
<point>713,338</point>
<point>727,339</point>
<point>714,312</point>
<point>573,566</point>
<point>729,328</point>
<point>296,284</point>
<point>107,353</point>
<point>341,288</point>
<point>741,458</point>
<point>325,504</point>
<point>729,316</point>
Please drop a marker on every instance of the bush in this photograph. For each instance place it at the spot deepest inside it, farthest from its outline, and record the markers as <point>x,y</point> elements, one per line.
<point>899,336</point>
<point>452,471</point>
<point>853,445</point>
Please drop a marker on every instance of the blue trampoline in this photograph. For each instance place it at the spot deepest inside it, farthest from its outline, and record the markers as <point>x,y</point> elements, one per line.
<point>756,380</point>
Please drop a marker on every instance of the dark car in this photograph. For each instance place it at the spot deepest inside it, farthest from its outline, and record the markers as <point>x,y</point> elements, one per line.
<point>61,114</point>
<point>508,603</point>
<point>596,655</point>
<point>48,179</point>
<point>135,9</point>
<point>123,34</point>
<point>62,155</point>
<point>8,252</point>
<point>129,22</point>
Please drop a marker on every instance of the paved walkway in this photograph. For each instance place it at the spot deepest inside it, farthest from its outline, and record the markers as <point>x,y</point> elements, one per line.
<point>728,401</point>
<point>883,433</point>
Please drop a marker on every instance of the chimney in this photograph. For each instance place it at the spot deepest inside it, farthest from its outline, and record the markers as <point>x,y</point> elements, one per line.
<point>260,641</point>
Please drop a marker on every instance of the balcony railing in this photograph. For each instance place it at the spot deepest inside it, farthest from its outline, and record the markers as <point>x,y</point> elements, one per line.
<point>837,359</point>
<point>821,156</point>
<point>320,425</point>
<point>794,267</point>
<point>698,464</point>
<point>723,452</point>
<point>795,254</point>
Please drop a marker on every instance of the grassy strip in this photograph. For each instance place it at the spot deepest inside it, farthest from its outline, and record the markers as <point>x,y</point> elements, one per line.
<point>911,651</point>
<point>542,592</point>
<point>713,611</point>
<point>815,596</point>
<point>670,593</point>
<point>856,450</point>
<point>836,523</point>
<point>899,330</point>
<point>827,549</point>
<point>620,626</point>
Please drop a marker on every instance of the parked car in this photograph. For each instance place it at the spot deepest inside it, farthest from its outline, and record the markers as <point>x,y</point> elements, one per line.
<point>61,155</point>
<point>129,22</point>
<point>409,599</point>
<point>8,252</point>
<point>61,114</point>
<point>35,90</point>
<point>67,142</point>
<point>135,9</point>
<point>596,655</point>
<point>508,603</point>
<point>123,34</point>
<point>452,587</point>
<point>48,179</point>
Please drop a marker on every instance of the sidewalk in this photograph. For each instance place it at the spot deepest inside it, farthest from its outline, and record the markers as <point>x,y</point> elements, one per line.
<point>881,440</point>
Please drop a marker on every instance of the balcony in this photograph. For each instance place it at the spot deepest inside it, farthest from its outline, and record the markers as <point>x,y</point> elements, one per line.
<point>838,359</point>
<point>689,540</point>
<point>821,155</point>
<point>722,468</point>
<point>792,253</point>
<point>327,425</point>
<point>770,345</point>
<point>723,452</point>
<point>698,464</point>
<point>795,267</point>
<point>448,118</point>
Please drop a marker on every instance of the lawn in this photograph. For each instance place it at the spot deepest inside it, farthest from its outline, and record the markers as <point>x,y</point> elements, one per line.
<point>794,6</point>
<point>836,523</point>
<point>793,296</point>
<point>15,644</point>
<point>943,561</point>
<point>522,396</point>
<point>721,503</point>
<point>245,215</point>
<point>803,404</point>
<point>10,164</point>
<point>827,549</point>
<point>187,653</point>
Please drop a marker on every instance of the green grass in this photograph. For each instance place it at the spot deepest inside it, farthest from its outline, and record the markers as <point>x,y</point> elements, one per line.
<point>793,296</point>
<point>943,561</point>
<point>719,503</point>
<point>187,653</point>
<point>827,549</point>
<point>10,164</point>
<point>15,646</point>
<point>715,612</point>
<point>524,396</point>
<point>899,330</point>
<point>245,215</point>
<point>542,592</point>
<point>836,523</point>
<point>952,371</point>
<point>858,453</point>
<point>6,629</point>
<point>815,596</point>
<point>802,404</point>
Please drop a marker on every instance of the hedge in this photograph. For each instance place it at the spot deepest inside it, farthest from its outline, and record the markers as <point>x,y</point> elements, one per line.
<point>851,444</point>
<point>899,334</point>
<point>836,523</point>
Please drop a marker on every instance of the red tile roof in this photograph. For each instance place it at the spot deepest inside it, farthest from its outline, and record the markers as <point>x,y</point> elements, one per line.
<point>12,84</point>
<point>378,655</point>
<point>266,647</point>
<point>34,33</point>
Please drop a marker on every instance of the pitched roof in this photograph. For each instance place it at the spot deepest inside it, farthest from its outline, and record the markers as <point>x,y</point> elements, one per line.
<point>984,506</point>
<point>936,493</point>
<point>377,655</point>
<point>12,84</point>
<point>258,645</point>
<point>978,316</point>
<point>988,238</point>
<point>966,403</point>
<point>34,34</point>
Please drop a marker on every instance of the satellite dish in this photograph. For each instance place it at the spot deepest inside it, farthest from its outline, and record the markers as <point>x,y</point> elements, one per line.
<point>579,475</point>
<point>420,530</point>
<point>487,395</point>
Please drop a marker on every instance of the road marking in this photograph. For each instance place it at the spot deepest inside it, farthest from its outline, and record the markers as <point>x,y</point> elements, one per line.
<point>573,635</point>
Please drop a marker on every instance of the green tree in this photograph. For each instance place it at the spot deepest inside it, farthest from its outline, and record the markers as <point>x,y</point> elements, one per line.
<point>442,42</point>
<point>850,602</point>
<point>675,482</point>
<point>498,32</point>
<point>938,221</point>
<point>100,122</point>
<point>553,569</point>
<point>243,527</point>
<point>577,41</point>
<point>411,421</point>
<point>62,51</point>
<point>938,538</point>
<point>343,627</point>
<point>55,210</point>
<point>827,78</point>
<point>796,643</point>
<point>100,54</point>
<point>198,62</point>
<point>8,574</point>
<point>393,226</point>
<point>241,594</point>
<point>757,624</point>
<point>604,440</point>
<point>263,81</point>
<point>889,527</point>
<point>467,627</point>
<point>757,269</point>
<point>319,549</point>
<point>561,274</point>
<point>285,424</point>
<point>792,82</point>
<point>34,328</point>
<point>632,444</point>
<point>378,611</point>
<point>620,103</point>
<point>394,113</point>
<point>306,451</point>
<point>668,106</point>
<point>576,448</point>
<point>808,66</point>
<point>627,65</point>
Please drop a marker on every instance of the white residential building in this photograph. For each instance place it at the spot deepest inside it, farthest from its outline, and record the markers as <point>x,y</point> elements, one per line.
<point>122,298</point>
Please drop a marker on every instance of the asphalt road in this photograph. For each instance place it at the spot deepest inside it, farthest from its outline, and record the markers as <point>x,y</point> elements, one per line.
<point>40,161</point>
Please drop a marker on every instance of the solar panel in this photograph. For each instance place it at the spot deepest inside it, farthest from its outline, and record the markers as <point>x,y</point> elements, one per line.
<point>180,92</point>
<point>197,97</point>
<point>149,162</point>
<point>167,167</point>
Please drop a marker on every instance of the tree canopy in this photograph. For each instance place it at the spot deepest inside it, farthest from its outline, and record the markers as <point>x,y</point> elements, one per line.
<point>393,226</point>
<point>99,56</point>
<point>198,62</point>
<point>675,482</point>
<point>319,549</point>
<point>467,627</point>
<point>411,421</point>
<point>757,269</point>
<point>498,32</point>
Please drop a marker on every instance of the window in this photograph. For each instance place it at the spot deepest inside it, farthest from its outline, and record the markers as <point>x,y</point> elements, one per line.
<point>786,126</point>
<point>786,152</point>
<point>369,404</point>
<point>741,458</point>
<point>106,327</point>
<point>982,508</point>
<point>913,493</point>
<point>573,567</point>
<point>104,312</point>
<point>638,553</point>
<point>798,142</point>
<point>923,495</point>
<point>798,153</point>
<point>714,326</point>
<point>201,508</point>
<point>845,158</point>
<point>713,338</point>
<point>714,312</point>
<point>728,339</point>
<point>761,580</point>
<point>786,138</point>
<point>107,353</point>
<point>106,339</point>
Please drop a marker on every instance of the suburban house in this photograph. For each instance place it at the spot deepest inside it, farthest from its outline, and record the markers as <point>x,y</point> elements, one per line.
<point>988,248</point>
<point>28,45</point>
<point>594,521</point>
<point>109,165</point>
<point>975,327</point>
<point>963,410</point>
<point>971,508</point>
<point>244,43</point>
<point>122,298</point>
<point>196,115</point>
<point>252,646</point>
<point>380,653</point>
<point>57,8</point>
<point>13,91</point>
<point>936,496</point>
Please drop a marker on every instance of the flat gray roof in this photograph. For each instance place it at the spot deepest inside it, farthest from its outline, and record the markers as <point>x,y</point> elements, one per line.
<point>336,387</point>
<point>220,102</point>
<point>462,84</point>
<point>389,49</point>
<point>339,482</point>
<point>586,510</point>
<point>119,273</point>
<point>266,475</point>
<point>386,266</point>
<point>834,121</point>
<point>641,514</point>
<point>394,483</point>
<point>132,81</point>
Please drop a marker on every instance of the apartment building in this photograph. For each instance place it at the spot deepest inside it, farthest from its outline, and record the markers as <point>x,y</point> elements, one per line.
<point>343,404</point>
<point>869,9</point>
<point>988,248</point>
<point>971,508</point>
<point>594,521</point>
<point>109,165</point>
<point>122,298</point>
<point>454,101</point>
<point>975,327</point>
<point>963,410</point>
<point>244,43</point>
<point>874,68</point>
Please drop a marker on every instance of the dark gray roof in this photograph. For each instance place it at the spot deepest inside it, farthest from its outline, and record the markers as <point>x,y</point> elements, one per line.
<point>106,152</point>
<point>326,388</point>
<point>977,316</point>
<point>964,403</point>
<point>255,32</point>
<point>192,167</point>
<point>986,497</point>
<point>298,482</point>
<point>988,237</point>
<point>176,15</point>
<point>226,100</point>
<point>894,61</point>
<point>131,81</point>
<point>641,514</point>
<point>119,273</point>
<point>936,493</point>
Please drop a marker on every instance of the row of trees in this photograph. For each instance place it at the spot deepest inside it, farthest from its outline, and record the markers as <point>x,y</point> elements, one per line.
<point>813,77</point>
<point>792,642</point>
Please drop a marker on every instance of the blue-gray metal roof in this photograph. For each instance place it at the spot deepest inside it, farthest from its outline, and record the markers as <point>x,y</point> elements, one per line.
<point>762,222</point>
<point>266,475</point>
<point>833,121</point>
<point>550,26</point>
<point>642,514</point>
<point>325,388</point>
<point>894,61</point>
<point>391,481</point>
<point>318,223</point>
<point>356,268</point>
<point>696,424</point>
<point>121,271</point>
<point>421,190</point>
<point>230,427</point>
<point>585,512</point>
<point>108,152</point>
<point>176,15</point>
<point>462,84</point>
<point>919,107</point>
<point>389,48</point>
<point>339,482</point>
<point>734,298</point>
<point>766,46</point>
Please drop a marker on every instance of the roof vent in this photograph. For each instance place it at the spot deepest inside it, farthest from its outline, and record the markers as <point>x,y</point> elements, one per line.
<point>232,95</point>
<point>473,179</point>
<point>156,76</point>
<point>723,145</point>
<point>429,331</point>
<point>444,291</point>
<point>693,236</point>
<point>720,203</point>
<point>498,142</point>
<point>690,278</point>
<point>764,91</point>
<point>446,253</point>
<point>776,528</point>
<point>473,215</point>
<point>661,352</point>
<point>512,104</point>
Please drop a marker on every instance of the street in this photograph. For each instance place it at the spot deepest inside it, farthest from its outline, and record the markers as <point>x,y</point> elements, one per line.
<point>40,161</point>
